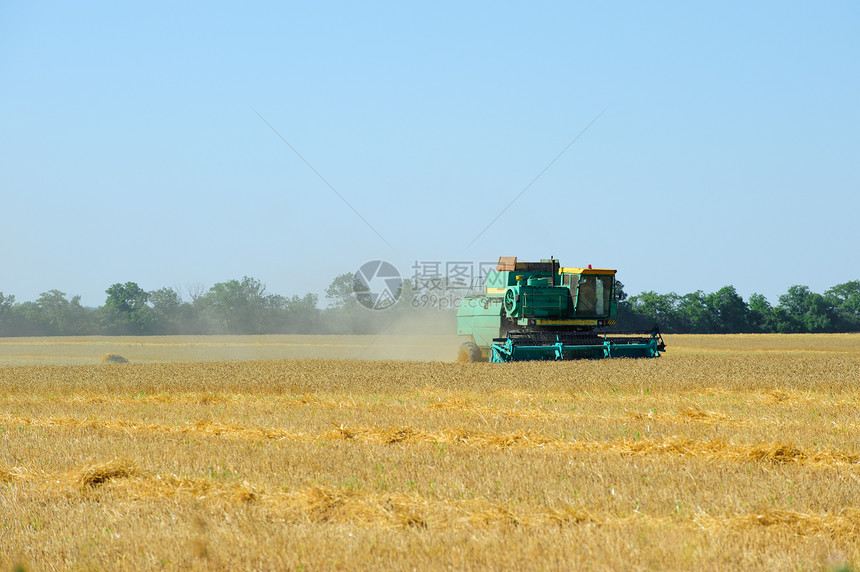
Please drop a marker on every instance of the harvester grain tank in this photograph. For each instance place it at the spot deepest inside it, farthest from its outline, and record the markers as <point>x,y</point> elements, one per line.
<point>544,311</point>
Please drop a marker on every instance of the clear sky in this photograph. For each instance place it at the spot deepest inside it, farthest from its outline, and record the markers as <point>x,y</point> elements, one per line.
<point>727,152</point>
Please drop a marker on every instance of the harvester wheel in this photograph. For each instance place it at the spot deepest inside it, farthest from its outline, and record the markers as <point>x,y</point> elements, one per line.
<point>469,351</point>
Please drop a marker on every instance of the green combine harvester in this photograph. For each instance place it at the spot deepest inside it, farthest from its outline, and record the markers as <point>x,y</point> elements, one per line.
<point>543,311</point>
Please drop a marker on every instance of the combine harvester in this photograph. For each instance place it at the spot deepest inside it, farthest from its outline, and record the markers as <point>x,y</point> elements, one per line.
<point>543,311</point>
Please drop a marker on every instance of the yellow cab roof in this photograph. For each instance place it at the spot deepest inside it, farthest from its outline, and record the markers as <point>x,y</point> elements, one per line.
<point>569,270</point>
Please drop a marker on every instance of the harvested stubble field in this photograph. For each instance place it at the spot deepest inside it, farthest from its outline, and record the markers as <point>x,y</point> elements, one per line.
<point>79,350</point>
<point>730,452</point>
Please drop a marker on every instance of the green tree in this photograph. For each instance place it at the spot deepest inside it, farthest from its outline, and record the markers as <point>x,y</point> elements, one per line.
<point>26,320</point>
<point>167,309</point>
<point>620,294</point>
<point>805,311</point>
<point>241,307</point>
<point>783,322</point>
<point>344,315</point>
<point>303,315</point>
<point>126,310</point>
<point>650,308</point>
<point>760,314</point>
<point>730,312</point>
<point>845,300</point>
<point>7,304</point>
<point>341,292</point>
<point>59,316</point>
<point>694,316</point>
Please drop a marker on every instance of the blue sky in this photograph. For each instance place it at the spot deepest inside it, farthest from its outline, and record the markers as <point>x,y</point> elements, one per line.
<point>727,152</point>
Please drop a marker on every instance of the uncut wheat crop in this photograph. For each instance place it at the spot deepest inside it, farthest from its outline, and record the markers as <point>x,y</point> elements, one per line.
<point>729,452</point>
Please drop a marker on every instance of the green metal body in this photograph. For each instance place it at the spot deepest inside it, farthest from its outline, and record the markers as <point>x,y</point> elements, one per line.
<point>540,310</point>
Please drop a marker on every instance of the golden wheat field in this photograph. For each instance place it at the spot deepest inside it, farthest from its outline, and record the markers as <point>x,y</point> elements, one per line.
<point>76,350</point>
<point>727,453</point>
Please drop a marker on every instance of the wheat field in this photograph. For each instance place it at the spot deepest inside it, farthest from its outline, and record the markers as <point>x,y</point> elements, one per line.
<point>729,452</point>
<point>80,350</point>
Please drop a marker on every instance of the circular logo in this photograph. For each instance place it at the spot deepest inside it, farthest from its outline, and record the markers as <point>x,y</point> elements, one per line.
<point>377,284</point>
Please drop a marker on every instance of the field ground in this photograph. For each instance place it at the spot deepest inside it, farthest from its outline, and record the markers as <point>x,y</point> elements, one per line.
<point>729,452</point>
<point>80,350</point>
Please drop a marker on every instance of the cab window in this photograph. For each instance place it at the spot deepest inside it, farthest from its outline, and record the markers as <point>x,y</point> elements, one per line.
<point>594,296</point>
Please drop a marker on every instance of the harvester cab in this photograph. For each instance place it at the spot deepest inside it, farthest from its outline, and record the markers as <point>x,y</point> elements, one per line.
<point>544,311</point>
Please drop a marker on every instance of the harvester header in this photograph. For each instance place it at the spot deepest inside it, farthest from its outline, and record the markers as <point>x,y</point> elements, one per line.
<point>542,310</point>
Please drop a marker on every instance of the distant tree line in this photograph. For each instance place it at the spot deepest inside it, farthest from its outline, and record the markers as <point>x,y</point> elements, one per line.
<point>233,307</point>
<point>725,312</point>
<point>245,307</point>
